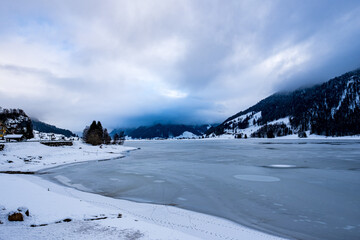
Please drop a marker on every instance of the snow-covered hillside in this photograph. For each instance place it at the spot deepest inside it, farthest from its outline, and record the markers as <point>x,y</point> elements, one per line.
<point>329,109</point>
<point>16,122</point>
<point>248,124</point>
<point>349,97</point>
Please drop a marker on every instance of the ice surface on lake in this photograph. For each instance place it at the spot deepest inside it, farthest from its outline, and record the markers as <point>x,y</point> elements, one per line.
<point>317,196</point>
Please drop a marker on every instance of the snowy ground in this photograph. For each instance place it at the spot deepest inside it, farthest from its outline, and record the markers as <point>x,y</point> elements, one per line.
<point>32,156</point>
<point>92,216</point>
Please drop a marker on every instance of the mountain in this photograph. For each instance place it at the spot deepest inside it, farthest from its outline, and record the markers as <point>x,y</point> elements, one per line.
<point>47,128</point>
<point>126,131</point>
<point>330,109</point>
<point>16,122</point>
<point>163,131</point>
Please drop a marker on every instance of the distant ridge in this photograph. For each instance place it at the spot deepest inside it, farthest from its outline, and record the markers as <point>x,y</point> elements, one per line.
<point>163,131</point>
<point>47,128</point>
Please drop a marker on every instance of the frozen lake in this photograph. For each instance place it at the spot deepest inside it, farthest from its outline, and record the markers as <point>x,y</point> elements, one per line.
<point>302,189</point>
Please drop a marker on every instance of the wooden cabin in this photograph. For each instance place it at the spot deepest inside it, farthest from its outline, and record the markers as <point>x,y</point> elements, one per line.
<point>14,137</point>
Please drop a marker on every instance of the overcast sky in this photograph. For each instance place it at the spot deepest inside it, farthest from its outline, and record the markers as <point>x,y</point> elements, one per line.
<point>129,63</point>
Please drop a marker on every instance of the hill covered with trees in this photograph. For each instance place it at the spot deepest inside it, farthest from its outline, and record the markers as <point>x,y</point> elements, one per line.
<point>47,128</point>
<point>16,122</point>
<point>330,109</point>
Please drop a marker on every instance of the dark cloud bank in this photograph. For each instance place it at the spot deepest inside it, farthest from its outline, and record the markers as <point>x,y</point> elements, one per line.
<point>130,63</point>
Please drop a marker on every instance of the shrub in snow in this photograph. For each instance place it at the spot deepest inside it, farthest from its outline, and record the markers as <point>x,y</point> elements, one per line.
<point>119,138</point>
<point>24,210</point>
<point>302,134</point>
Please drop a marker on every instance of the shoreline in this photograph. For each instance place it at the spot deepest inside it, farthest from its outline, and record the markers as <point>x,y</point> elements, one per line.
<point>153,219</point>
<point>178,222</point>
<point>232,137</point>
<point>63,182</point>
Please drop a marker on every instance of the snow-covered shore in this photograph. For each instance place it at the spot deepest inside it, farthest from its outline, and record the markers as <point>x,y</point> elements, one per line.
<point>92,216</point>
<point>33,156</point>
<point>289,137</point>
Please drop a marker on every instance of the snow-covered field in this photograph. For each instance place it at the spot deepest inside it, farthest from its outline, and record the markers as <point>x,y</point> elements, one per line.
<point>92,216</point>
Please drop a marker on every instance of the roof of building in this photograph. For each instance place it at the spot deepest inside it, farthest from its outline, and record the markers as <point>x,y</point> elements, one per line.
<point>13,136</point>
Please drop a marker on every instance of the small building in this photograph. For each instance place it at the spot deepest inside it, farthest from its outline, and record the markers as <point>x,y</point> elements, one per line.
<point>2,130</point>
<point>14,137</point>
<point>52,137</point>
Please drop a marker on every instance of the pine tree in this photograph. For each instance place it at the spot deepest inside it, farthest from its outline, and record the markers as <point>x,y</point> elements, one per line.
<point>85,133</point>
<point>107,138</point>
<point>94,135</point>
<point>116,138</point>
<point>121,138</point>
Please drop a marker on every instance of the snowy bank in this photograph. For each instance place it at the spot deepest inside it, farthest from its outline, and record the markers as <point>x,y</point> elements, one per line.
<point>59,211</point>
<point>91,216</point>
<point>50,204</point>
<point>33,156</point>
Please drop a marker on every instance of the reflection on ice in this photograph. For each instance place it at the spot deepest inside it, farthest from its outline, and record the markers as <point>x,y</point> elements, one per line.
<point>257,178</point>
<point>159,181</point>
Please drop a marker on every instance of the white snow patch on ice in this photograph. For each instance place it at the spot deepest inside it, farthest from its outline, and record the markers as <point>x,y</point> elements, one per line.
<point>281,166</point>
<point>159,181</point>
<point>182,199</point>
<point>257,178</point>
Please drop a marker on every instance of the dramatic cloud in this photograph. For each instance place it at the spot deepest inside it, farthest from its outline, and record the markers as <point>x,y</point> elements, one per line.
<point>136,62</point>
